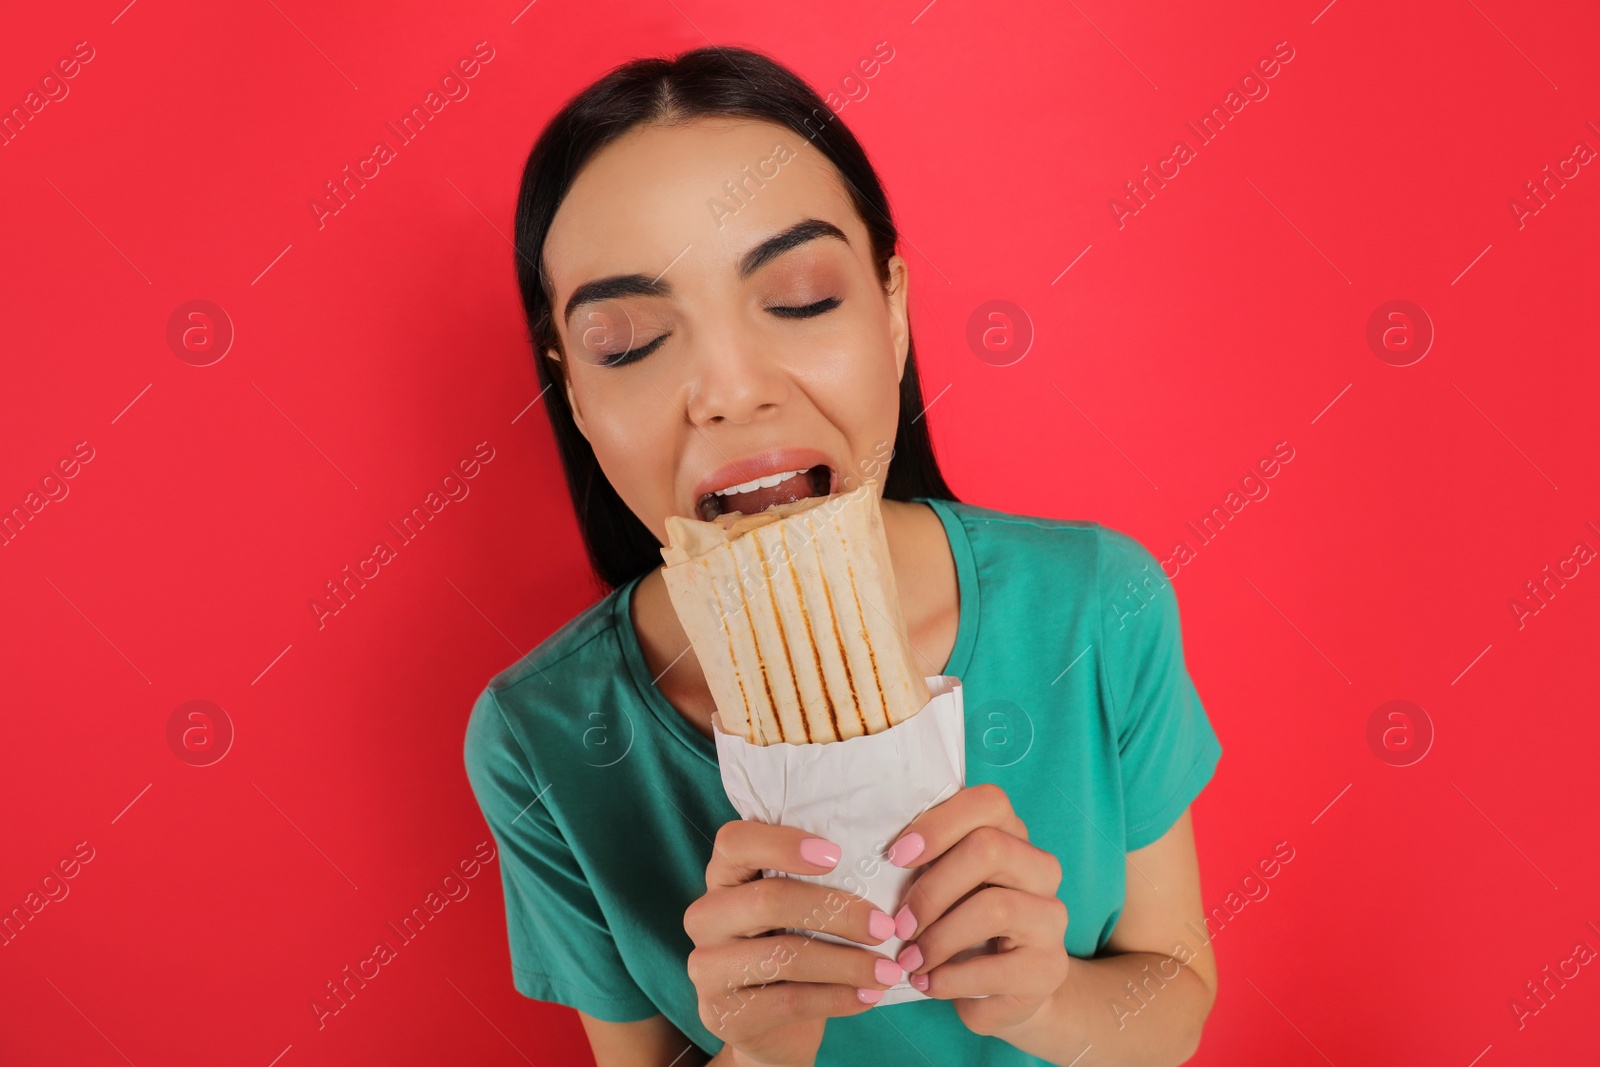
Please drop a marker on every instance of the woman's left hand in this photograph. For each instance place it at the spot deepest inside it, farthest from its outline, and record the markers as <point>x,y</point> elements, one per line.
<point>975,844</point>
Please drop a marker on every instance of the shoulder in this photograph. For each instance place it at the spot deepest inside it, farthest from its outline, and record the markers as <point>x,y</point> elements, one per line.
<point>1036,568</point>
<point>514,706</point>
<point>1049,574</point>
<point>575,638</point>
<point>1082,550</point>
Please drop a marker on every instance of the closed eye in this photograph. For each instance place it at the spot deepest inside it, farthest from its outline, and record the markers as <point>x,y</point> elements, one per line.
<point>632,354</point>
<point>808,311</point>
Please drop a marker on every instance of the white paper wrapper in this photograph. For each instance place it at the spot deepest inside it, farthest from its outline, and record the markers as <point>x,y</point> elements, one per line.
<point>860,794</point>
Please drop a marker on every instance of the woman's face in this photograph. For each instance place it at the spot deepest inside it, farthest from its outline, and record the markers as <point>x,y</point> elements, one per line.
<point>699,356</point>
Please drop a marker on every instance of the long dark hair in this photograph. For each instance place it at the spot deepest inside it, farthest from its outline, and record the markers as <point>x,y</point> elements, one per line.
<point>704,82</point>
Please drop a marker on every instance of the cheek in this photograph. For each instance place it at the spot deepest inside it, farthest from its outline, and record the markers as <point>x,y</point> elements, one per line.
<point>863,383</point>
<point>633,434</point>
<point>854,384</point>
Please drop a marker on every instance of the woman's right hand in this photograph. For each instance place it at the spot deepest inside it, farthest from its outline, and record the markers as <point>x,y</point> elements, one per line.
<point>769,997</point>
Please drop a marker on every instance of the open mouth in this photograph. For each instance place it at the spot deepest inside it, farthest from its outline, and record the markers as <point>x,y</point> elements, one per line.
<point>757,495</point>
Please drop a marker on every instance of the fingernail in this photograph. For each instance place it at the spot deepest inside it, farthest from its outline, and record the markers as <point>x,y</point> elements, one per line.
<point>880,926</point>
<point>822,853</point>
<point>919,981</point>
<point>910,958</point>
<point>905,923</point>
<point>906,849</point>
<point>869,996</point>
<point>887,972</point>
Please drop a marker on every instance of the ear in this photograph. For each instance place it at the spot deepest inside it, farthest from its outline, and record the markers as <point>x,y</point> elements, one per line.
<point>572,400</point>
<point>899,312</point>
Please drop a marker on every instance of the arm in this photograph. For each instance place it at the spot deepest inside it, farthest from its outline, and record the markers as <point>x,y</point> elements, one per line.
<point>1173,979</point>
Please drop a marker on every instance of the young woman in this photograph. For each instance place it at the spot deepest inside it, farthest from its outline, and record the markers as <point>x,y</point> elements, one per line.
<point>720,318</point>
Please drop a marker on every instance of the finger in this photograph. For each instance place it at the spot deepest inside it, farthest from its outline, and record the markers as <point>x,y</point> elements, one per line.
<point>993,912</point>
<point>987,855</point>
<point>766,904</point>
<point>744,848</point>
<point>730,966</point>
<point>931,834</point>
<point>1027,971</point>
<point>756,1010</point>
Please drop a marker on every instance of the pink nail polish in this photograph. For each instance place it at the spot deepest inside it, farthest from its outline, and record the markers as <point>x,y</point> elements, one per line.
<point>820,852</point>
<point>880,926</point>
<point>869,996</point>
<point>919,981</point>
<point>906,849</point>
<point>905,923</point>
<point>910,958</point>
<point>887,972</point>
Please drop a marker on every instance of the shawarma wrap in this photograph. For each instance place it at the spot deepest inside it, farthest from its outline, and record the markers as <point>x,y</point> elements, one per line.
<point>796,620</point>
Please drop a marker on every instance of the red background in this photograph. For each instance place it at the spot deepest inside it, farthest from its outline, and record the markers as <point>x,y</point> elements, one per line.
<point>373,353</point>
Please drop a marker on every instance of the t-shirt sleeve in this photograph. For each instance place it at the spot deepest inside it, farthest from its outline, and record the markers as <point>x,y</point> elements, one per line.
<point>561,947</point>
<point>1168,748</point>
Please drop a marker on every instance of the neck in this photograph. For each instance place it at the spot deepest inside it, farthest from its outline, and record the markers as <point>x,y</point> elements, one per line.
<point>898,531</point>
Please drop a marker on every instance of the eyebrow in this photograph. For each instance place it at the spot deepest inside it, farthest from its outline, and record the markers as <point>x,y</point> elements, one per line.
<point>621,285</point>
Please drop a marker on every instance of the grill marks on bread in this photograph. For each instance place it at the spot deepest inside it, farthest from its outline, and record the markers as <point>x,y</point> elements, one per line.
<point>821,623</point>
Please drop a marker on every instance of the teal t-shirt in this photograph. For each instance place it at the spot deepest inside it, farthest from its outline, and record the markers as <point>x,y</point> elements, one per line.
<point>604,800</point>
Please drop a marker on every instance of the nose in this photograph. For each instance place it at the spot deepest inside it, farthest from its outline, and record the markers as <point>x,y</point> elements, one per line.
<point>733,381</point>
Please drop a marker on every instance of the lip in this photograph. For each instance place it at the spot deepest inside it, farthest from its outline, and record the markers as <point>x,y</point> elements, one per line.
<point>760,465</point>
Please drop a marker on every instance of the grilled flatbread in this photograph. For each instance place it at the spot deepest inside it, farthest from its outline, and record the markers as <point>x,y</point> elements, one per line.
<point>795,617</point>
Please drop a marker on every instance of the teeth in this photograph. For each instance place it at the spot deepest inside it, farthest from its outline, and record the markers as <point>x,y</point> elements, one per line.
<point>759,483</point>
